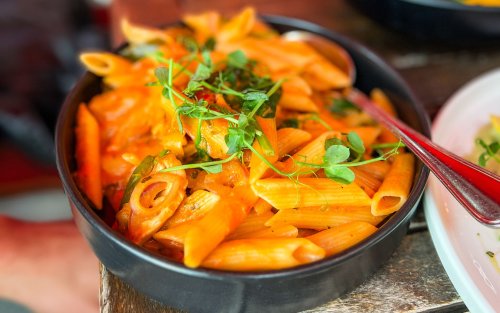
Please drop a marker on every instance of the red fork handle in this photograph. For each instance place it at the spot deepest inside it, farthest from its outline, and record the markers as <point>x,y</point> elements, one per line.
<point>475,188</point>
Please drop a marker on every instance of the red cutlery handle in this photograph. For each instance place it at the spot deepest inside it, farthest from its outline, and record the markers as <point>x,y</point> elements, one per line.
<point>475,188</point>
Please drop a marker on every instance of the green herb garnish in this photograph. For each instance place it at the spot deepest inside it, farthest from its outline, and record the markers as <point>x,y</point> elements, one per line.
<point>341,106</point>
<point>143,170</point>
<point>490,151</point>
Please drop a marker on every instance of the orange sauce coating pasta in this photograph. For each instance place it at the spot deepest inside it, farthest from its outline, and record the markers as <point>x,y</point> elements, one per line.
<point>224,145</point>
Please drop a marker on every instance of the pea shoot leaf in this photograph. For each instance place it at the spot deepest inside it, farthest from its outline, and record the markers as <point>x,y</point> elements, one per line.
<point>340,174</point>
<point>237,59</point>
<point>356,143</point>
<point>336,154</point>
<point>162,75</point>
<point>212,169</point>
<point>341,106</point>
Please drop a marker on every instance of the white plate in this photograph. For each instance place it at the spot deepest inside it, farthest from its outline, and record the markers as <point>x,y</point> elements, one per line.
<point>461,242</point>
<point>39,206</point>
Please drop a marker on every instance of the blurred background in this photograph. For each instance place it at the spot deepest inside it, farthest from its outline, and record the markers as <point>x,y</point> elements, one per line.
<point>40,41</point>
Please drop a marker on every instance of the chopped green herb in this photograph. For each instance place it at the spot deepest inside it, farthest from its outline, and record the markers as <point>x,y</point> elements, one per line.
<point>490,152</point>
<point>189,43</point>
<point>490,254</point>
<point>141,171</point>
<point>237,59</point>
<point>209,45</point>
<point>341,106</point>
<point>290,123</point>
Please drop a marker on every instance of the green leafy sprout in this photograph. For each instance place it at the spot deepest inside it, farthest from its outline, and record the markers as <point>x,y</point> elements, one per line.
<point>490,151</point>
<point>250,96</point>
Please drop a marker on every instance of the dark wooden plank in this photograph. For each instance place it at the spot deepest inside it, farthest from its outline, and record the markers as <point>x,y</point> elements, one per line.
<point>413,280</point>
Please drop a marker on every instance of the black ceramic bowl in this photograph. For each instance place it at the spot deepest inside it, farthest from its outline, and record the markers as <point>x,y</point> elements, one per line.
<point>203,290</point>
<point>437,20</point>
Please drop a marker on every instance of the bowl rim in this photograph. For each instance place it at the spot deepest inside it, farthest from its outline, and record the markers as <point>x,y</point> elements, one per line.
<point>80,202</point>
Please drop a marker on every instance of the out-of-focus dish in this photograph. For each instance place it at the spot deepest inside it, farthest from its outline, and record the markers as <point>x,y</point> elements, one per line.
<point>199,290</point>
<point>486,151</point>
<point>469,251</point>
<point>423,19</point>
<point>487,3</point>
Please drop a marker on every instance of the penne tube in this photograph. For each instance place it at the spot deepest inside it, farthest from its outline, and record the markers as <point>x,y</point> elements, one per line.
<point>237,27</point>
<point>284,193</point>
<point>367,134</point>
<point>263,254</point>
<point>197,205</point>
<point>262,207</point>
<point>290,139</point>
<point>258,166</point>
<point>312,153</point>
<point>104,63</point>
<point>252,223</point>
<point>320,218</point>
<point>297,102</point>
<point>175,234</point>
<point>342,237</point>
<point>135,34</point>
<point>87,148</point>
<point>377,169</point>
<point>366,181</point>
<point>152,202</point>
<point>383,102</point>
<point>395,188</point>
<point>380,99</point>
<point>208,232</point>
<point>205,25</point>
<point>282,231</point>
<point>323,75</point>
<point>294,84</point>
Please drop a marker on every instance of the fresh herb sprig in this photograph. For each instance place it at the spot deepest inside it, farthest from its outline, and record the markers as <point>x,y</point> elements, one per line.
<point>243,128</point>
<point>340,155</point>
<point>250,96</point>
<point>490,151</point>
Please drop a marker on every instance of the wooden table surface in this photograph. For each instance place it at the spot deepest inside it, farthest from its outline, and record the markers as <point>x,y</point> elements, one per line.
<point>413,280</point>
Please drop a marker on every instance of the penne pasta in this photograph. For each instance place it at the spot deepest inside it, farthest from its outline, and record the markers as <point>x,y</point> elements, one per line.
<point>283,231</point>
<point>223,144</point>
<point>312,153</point>
<point>262,207</point>
<point>105,64</point>
<point>89,163</point>
<point>283,193</point>
<point>320,218</point>
<point>257,165</point>
<point>290,139</point>
<point>141,34</point>
<point>366,181</point>
<point>263,254</point>
<point>197,205</point>
<point>342,237</point>
<point>237,27</point>
<point>377,169</point>
<point>396,186</point>
<point>152,202</point>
